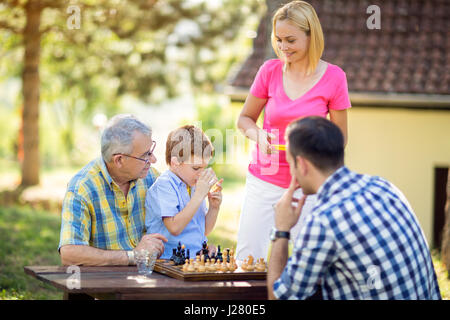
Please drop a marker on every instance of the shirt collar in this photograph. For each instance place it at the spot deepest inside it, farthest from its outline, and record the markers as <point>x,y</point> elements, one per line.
<point>175,178</point>
<point>180,183</point>
<point>104,171</point>
<point>333,183</point>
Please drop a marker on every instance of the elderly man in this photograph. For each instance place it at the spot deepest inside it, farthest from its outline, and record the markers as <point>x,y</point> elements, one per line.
<point>361,240</point>
<point>103,212</point>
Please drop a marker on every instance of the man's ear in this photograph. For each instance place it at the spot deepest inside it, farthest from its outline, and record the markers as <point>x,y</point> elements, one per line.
<point>117,160</point>
<point>303,165</point>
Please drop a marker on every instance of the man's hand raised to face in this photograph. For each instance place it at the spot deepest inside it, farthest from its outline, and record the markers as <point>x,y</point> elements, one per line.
<point>286,213</point>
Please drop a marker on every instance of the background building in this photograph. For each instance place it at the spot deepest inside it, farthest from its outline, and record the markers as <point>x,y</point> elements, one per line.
<point>399,83</point>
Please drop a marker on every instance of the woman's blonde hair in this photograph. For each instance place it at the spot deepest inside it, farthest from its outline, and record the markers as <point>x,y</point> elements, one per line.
<point>303,15</point>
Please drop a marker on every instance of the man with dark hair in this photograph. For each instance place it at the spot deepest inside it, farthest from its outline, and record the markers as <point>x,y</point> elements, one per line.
<point>361,240</point>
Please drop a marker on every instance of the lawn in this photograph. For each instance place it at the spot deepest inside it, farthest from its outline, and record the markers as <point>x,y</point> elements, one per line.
<point>27,237</point>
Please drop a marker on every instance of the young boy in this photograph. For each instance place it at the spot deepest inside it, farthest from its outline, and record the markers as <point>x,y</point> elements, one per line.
<point>175,204</point>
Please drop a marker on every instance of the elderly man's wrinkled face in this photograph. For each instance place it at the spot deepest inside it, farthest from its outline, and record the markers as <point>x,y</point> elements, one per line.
<point>140,159</point>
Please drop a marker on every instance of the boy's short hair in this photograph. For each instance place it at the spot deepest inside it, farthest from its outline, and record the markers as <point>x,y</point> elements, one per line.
<point>317,139</point>
<point>188,141</point>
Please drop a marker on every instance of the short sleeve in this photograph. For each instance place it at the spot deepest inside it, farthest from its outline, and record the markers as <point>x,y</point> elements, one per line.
<point>340,99</point>
<point>75,221</point>
<point>161,200</point>
<point>260,84</point>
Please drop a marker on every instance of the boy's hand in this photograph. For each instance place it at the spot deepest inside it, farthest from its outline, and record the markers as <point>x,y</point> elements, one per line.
<point>215,197</point>
<point>206,180</point>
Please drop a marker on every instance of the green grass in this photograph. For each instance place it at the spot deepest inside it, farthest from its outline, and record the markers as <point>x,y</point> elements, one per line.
<point>442,275</point>
<point>27,237</point>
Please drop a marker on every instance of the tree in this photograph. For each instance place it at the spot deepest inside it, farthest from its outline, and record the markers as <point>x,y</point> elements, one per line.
<point>445,248</point>
<point>120,47</point>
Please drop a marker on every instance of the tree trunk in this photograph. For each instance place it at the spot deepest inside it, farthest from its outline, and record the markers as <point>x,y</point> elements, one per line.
<point>445,248</point>
<point>30,92</point>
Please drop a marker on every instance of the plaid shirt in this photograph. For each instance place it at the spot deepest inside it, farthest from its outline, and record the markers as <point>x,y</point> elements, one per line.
<point>95,211</point>
<point>361,241</point>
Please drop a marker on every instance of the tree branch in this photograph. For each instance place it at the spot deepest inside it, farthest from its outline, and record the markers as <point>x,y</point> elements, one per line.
<point>5,25</point>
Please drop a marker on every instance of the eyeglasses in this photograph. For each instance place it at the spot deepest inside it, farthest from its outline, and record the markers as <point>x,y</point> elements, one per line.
<point>147,155</point>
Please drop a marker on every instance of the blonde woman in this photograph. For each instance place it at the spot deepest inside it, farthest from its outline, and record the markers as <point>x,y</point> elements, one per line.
<point>296,85</point>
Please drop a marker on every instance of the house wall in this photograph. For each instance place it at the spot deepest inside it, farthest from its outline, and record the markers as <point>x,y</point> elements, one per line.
<point>403,146</point>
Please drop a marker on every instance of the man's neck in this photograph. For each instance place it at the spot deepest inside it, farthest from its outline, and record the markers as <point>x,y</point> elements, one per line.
<point>320,178</point>
<point>122,182</point>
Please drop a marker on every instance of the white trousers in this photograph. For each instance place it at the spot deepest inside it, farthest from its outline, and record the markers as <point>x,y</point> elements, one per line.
<point>257,217</point>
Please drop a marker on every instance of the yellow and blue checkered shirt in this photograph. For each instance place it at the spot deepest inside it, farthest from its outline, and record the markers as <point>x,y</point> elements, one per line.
<point>95,211</point>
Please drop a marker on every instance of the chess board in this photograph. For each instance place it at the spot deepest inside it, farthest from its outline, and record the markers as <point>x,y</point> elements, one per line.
<point>165,267</point>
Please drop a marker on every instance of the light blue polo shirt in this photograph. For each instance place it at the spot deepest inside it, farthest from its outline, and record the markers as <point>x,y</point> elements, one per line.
<point>166,198</point>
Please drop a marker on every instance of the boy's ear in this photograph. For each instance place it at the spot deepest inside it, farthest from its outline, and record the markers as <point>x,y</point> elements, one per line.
<point>174,161</point>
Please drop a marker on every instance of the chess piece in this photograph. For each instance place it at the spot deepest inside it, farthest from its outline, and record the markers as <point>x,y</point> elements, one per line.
<point>225,255</point>
<point>201,266</point>
<point>212,266</point>
<point>244,265</point>
<point>219,254</point>
<point>183,252</point>
<point>172,258</point>
<point>250,266</point>
<point>233,265</point>
<point>191,268</point>
<point>185,266</point>
<point>260,265</point>
<point>223,267</point>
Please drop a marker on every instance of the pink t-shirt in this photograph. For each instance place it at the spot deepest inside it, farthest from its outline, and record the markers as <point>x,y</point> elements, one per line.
<point>330,92</point>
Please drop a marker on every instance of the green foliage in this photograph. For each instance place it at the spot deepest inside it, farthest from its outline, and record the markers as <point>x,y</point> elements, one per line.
<point>217,118</point>
<point>153,50</point>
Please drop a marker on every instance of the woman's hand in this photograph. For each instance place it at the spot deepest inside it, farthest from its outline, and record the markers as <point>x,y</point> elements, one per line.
<point>264,142</point>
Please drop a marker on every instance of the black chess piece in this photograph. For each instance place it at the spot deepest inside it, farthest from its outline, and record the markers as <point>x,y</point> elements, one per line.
<point>178,259</point>
<point>174,253</point>
<point>183,253</point>
<point>228,255</point>
<point>205,250</point>
<point>219,256</point>
<point>188,255</point>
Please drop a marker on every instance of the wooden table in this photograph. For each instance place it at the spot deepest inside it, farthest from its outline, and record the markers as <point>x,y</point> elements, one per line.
<point>123,282</point>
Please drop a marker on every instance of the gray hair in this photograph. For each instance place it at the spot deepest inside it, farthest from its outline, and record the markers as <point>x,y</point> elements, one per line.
<point>118,135</point>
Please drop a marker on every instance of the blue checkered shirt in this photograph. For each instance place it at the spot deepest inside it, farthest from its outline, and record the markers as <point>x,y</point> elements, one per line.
<point>361,241</point>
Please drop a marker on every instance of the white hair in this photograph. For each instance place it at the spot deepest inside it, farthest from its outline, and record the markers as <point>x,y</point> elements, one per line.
<point>117,137</point>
